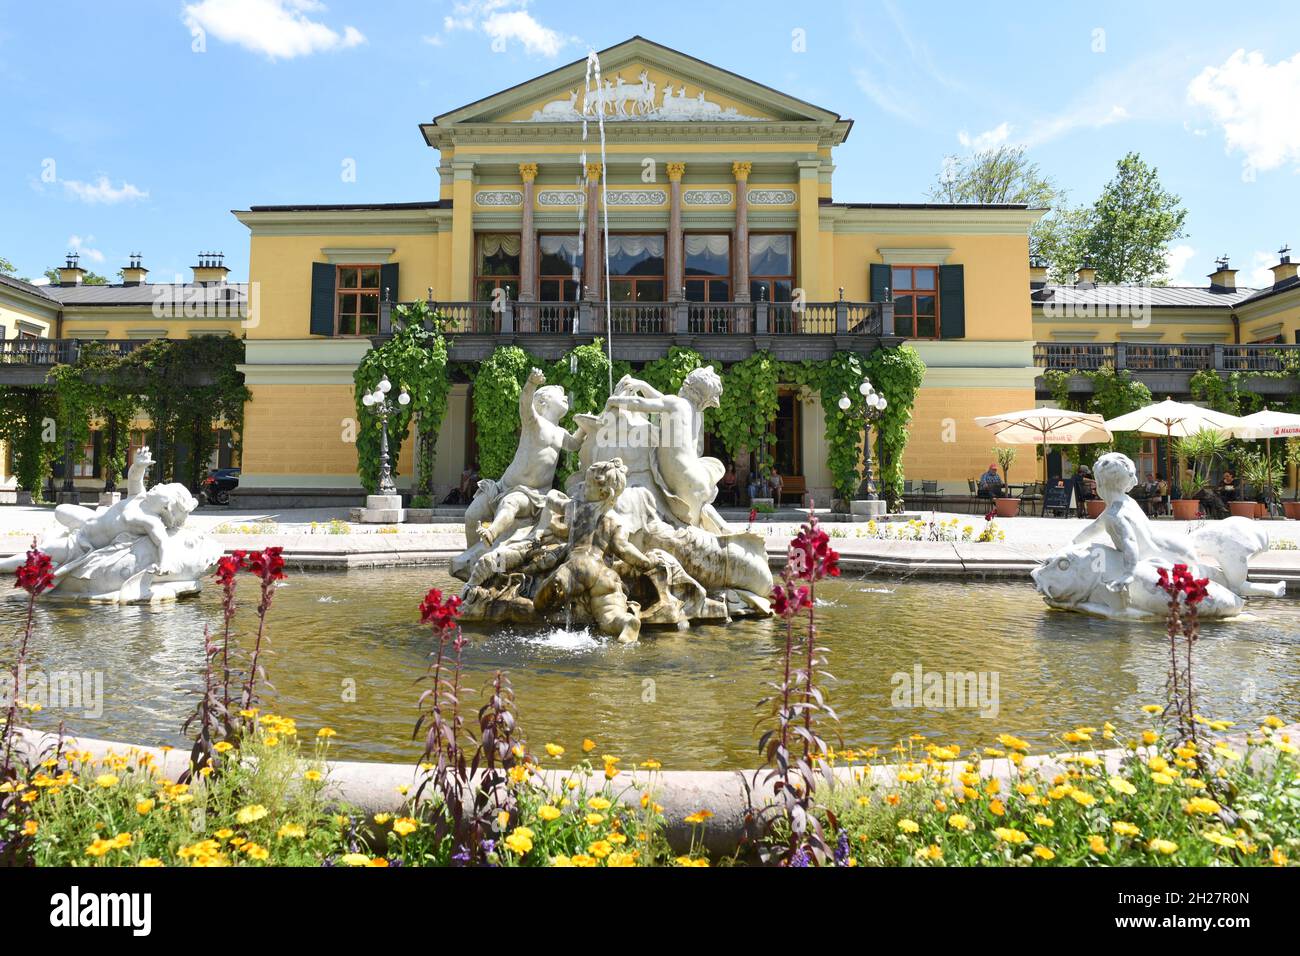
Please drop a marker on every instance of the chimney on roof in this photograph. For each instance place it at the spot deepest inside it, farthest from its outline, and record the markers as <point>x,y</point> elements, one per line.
<point>1224,277</point>
<point>71,273</point>
<point>1086,277</point>
<point>1285,272</point>
<point>211,268</point>
<point>1037,272</point>
<point>134,271</point>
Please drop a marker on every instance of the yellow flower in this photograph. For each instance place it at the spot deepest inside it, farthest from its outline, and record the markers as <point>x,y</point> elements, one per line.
<point>383,818</point>
<point>555,750</point>
<point>251,814</point>
<point>548,812</point>
<point>1202,805</point>
<point>691,861</point>
<point>1043,853</point>
<point>225,833</point>
<point>582,861</point>
<point>1152,708</point>
<point>601,849</point>
<point>295,831</point>
<point>1120,785</point>
<point>699,816</point>
<point>1167,847</point>
<point>651,764</point>
<point>931,852</point>
<point>909,826</point>
<point>519,773</point>
<point>326,732</point>
<point>1220,839</point>
<point>1273,723</point>
<point>30,827</point>
<point>1149,737</point>
<point>588,745</point>
<point>959,821</point>
<point>256,851</point>
<point>1097,845</point>
<point>354,859</point>
<point>378,861</point>
<point>520,840</point>
<point>595,819</point>
<point>150,861</point>
<point>1278,856</point>
<point>106,780</point>
<point>599,803</point>
<point>1125,829</point>
<point>223,746</point>
<point>1043,821</point>
<point>1009,835</point>
<point>621,859</point>
<point>99,847</point>
<point>144,807</point>
<point>1162,778</point>
<point>1082,798</point>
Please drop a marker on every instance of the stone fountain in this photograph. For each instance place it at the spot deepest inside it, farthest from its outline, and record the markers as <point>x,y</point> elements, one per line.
<point>137,550</point>
<point>632,539</point>
<point>1113,566</point>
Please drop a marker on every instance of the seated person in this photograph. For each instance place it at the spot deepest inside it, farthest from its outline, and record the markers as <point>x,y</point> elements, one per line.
<point>1085,488</point>
<point>728,482</point>
<point>1228,488</point>
<point>1211,504</point>
<point>990,483</point>
<point>774,484</point>
<point>468,482</point>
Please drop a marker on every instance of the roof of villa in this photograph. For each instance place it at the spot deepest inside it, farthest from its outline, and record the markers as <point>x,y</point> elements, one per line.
<point>1156,296</point>
<point>145,294</point>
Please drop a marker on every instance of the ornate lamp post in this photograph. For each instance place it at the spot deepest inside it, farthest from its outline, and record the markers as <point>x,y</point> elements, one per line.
<point>873,405</point>
<point>381,403</point>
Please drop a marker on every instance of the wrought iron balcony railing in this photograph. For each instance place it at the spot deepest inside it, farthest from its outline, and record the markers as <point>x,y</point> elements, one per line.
<point>1155,357</point>
<point>46,353</point>
<point>660,318</point>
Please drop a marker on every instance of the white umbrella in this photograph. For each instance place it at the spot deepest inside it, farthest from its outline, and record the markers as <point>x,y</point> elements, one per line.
<point>1173,420</point>
<point>1046,426</point>
<point>1268,425</point>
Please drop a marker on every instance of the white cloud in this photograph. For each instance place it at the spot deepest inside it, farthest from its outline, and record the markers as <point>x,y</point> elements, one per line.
<point>1261,276</point>
<point>82,247</point>
<point>886,97</point>
<point>103,191</point>
<point>1177,260</point>
<point>277,29</point>
<point>504,21</point>
<point>1255,104</point>
<point>989,139</point>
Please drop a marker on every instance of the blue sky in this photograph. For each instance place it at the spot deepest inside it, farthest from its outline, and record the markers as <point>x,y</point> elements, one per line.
<point>118,136</point>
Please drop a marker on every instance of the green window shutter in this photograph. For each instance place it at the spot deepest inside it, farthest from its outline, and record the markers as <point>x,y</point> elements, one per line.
<point>952,302</point>
<point>323,277</point>
<point>880,291</point>
<point>388,283</point>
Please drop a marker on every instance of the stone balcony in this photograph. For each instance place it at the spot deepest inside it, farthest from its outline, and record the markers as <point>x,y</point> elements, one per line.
<point>644,331</point>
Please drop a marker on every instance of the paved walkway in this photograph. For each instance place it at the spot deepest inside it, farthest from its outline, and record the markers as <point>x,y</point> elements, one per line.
<point>311,541</point>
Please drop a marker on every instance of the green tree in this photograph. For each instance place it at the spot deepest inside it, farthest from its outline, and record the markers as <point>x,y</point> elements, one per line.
<point>7,268</point>
<point>90,278</point>
<point>1133,222</point>
<point>1001,175</point>
<point>1061,239</point>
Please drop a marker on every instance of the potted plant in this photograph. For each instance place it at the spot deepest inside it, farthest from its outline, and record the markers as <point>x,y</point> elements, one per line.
<point>1198,451</point>
<point>1292,457</point>
<point>1255,477</point>
<point>1095,507</point>
<point>1006,507</point>
<point>1188,506</point>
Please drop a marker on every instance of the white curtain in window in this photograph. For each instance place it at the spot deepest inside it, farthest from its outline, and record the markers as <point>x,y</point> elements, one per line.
<point>712,245</point>
<point>763,244</point>
<point>566,246</point>
<point>633,245</point>
<point>495,242</point>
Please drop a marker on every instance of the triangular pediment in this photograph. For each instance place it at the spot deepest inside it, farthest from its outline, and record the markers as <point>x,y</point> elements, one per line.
<point>642,81</point>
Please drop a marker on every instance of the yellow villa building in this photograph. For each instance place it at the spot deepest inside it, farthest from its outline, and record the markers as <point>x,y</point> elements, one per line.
<point>725,234</point>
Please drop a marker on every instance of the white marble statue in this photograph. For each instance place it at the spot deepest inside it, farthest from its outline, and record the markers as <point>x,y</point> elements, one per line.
<point>650,520</point>
<point>619,100</point>
<point>136,550</point>
<point>1112,567</point>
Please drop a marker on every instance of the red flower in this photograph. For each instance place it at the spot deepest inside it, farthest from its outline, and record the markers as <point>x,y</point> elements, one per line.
<point>811,557</point>
<point>1180,581</point>
<point>753,513</point>
<point>788,600</point>
<point>993,513</point>
<point>267,564</point>
<point>229,565</point>
<point>37,573</point>
<point>441,614</point>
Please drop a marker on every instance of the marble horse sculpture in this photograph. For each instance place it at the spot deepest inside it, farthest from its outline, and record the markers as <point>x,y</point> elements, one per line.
<point>1112,567</point>
<point>638,513</point>
<point>134,551</point>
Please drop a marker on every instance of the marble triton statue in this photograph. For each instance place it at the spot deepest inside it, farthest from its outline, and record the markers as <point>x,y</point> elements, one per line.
<point>135,551</point>
<point>1112,567</point>
<point>632,539</point>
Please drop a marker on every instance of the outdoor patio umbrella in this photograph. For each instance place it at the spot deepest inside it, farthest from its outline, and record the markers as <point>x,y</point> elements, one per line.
<point>1046,426</point>
<point>1172,420</point>
<point>1268,425</point>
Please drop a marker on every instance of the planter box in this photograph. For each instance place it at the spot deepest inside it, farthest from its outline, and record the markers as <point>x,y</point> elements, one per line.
<point>1292,509</point>
<point>760,502</point>
<point>1007,507</point>
<point>872,509</point>
<point>419,516</point>
<point>1243,509</point>
<point>1186,509</point>
<point>1095,507</point>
